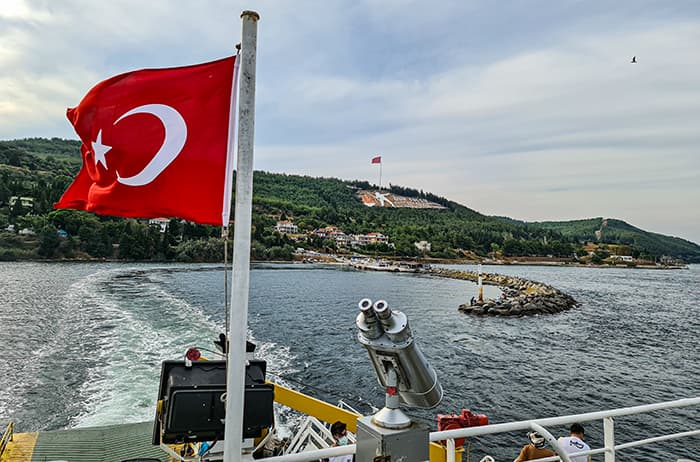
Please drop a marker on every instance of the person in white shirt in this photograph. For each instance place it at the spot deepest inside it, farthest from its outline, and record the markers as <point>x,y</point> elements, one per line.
<point>574,443</point>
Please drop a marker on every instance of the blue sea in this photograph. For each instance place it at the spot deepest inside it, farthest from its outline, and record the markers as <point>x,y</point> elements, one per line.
<point>82,343</point>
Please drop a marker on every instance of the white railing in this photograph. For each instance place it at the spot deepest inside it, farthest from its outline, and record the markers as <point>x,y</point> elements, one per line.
<point>313,433</point>
<point>609,449</point>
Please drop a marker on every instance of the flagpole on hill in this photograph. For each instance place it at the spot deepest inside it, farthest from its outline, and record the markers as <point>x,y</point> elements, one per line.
<point>235,380</point>
<point>378,160</point>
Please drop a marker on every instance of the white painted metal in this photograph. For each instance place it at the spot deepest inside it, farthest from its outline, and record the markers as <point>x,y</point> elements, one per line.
<point>673,436</point>
<point>609,438</point>
<point>235,379</point>
<point>451,456</point>
<point>552,441</point>
<point>537,424</point>
<point>563,420</point>
<point>480,285</point>
<point>306,456</point>
<point>391,415</point>
<point>312,431</point>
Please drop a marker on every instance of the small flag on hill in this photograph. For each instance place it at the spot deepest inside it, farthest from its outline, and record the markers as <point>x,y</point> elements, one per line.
<point>377,160</point>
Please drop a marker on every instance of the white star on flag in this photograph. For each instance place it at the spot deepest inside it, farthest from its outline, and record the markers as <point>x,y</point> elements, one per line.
<point>100,150</point>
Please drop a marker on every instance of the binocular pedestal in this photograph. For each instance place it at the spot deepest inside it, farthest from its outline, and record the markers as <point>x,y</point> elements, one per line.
<point>375,443</point>
<point>389,434</point>
<point>391,416</point>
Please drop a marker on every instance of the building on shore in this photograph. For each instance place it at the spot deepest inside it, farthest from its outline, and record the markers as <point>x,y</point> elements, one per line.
<point>161,223</point>
<point>423,246</point>
<point>286,227</point>
<point>371,238</point>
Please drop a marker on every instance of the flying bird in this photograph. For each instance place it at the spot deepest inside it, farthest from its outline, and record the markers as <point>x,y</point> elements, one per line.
<point>634,59</point>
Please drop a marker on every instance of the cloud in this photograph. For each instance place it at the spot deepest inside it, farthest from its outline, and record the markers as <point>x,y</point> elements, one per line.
<point>576,119</point>
<point>536,114</point>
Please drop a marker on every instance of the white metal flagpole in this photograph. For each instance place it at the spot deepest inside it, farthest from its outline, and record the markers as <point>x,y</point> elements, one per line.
<point>235,374</point>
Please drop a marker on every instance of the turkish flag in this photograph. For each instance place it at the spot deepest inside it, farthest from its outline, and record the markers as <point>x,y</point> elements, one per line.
<point>155,144</point>
<point>377,160</point>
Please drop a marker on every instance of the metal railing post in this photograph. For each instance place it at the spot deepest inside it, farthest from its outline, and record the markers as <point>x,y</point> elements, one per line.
<point>451,450</point>
<point>563,455</point>
<point>609,438</point>
<point>7,436</point>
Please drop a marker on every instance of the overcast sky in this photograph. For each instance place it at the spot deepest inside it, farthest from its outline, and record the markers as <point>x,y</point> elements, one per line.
<point>527,109</point>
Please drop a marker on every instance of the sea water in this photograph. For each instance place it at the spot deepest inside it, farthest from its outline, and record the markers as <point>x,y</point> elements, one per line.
<point>81,343</point>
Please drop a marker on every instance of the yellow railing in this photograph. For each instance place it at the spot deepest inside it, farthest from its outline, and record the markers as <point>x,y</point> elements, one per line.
<point>315,407</point>
<point>329,413</point>
<point>7,436</point>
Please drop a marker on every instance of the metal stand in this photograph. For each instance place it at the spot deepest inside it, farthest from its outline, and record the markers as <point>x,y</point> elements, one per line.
<point>391,416</point>
<point>411,444</point>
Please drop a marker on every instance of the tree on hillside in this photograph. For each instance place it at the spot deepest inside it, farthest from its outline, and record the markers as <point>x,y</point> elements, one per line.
<point>5,193</point>
<point>48,241</point>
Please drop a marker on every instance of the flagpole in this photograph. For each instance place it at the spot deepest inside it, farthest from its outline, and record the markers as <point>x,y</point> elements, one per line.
<point>235,380</point>
<point>380,174</point>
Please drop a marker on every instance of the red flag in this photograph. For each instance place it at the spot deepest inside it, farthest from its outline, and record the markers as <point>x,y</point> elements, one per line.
<point>377,160</point>
<point>155,144</point>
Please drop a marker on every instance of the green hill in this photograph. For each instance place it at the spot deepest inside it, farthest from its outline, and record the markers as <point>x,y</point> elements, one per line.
<point>612,231</point>
<point>40,170</point>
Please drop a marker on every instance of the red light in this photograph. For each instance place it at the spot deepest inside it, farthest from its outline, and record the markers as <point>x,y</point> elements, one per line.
<point>193,354</point>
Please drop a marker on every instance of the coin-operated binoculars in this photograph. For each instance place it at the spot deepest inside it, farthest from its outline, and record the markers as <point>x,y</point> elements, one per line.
<point>407,379</point>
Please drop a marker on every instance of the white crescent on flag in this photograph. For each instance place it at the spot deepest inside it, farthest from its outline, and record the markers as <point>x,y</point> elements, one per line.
<point>175,137</point>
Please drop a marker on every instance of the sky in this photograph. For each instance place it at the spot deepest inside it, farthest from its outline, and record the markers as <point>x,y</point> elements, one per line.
<point>526,109</point>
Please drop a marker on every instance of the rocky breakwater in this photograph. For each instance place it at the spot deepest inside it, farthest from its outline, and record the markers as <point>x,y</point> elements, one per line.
<point>520,297</point>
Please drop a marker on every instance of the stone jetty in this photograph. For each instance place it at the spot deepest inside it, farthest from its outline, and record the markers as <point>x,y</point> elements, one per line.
<point>520,297</point>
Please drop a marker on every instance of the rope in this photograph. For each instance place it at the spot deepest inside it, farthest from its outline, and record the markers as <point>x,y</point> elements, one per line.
<point>224,235</point>
<point>333,394</point>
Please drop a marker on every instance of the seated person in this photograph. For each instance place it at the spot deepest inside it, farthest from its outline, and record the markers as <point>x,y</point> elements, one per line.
<point>574,443</point>
<point>535,449</point>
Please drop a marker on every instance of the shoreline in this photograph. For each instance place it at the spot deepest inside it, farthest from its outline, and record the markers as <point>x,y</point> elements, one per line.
<point>328,259</point>
<point>570,265</point>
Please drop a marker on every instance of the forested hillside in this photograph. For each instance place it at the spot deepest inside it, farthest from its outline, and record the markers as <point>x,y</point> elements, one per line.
<point>35,172</point>
<point>611,231</point>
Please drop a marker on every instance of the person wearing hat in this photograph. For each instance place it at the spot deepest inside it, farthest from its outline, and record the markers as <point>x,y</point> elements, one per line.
<point>574,443</point>
<point>535,449</point>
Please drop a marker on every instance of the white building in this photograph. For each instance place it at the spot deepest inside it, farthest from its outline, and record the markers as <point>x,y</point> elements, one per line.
<point>162,223</point>
<point>325,233</point>
<point>423,246</point>
<point>627,258</point>
<point>371,238</point>
<point>286,227</point>
<point>25,201</point>
<point>340,238</point>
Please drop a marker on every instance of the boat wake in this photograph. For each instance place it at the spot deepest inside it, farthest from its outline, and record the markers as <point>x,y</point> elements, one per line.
<point>120,324</point>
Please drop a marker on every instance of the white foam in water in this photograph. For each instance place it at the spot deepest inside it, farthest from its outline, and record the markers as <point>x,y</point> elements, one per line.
<point>279,362</point>
<point>122,385</point>
<point>103,390</point>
